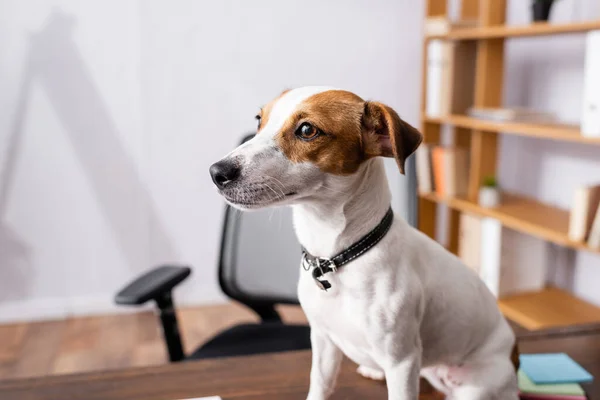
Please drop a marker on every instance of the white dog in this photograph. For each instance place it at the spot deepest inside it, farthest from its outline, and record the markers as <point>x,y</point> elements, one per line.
<point>399,304</point>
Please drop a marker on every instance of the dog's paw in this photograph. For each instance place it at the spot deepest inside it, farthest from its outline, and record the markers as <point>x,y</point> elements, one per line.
<point>371,373</point>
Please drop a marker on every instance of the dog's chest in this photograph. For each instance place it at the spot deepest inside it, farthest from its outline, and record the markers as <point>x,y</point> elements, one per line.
<point>339,315</point>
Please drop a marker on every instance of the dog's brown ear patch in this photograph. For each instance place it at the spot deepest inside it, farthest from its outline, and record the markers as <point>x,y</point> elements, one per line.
<point>386,134</point>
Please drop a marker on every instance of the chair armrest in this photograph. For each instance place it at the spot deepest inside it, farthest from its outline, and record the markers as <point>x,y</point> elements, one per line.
<point>152,285</point>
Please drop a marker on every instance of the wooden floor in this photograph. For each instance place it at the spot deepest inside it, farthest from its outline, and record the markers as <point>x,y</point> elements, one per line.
<point>109,342</point>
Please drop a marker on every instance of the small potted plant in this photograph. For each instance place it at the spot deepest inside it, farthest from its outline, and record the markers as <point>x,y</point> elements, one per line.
<point>489,193</point>
<point>541,9</point>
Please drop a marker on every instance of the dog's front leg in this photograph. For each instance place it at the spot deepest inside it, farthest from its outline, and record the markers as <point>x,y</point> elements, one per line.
<point>402,365</point>
<point>326,360</point>
<point>403,377</point>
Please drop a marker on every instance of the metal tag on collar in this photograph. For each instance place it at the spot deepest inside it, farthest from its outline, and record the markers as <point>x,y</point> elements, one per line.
<point>322,284</point>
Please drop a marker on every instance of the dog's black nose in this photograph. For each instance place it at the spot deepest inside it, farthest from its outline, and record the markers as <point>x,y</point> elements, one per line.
<point>224,172</point>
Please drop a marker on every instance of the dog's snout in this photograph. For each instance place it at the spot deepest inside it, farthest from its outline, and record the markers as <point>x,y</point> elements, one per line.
<point>224,172</point>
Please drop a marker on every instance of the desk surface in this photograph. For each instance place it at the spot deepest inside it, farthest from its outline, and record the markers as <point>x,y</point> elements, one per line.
<point>265,377</point>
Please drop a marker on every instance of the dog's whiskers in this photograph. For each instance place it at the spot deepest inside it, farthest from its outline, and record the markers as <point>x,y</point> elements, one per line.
<point>277,195</point>
<point>278,181</point>
<point>278,184</point>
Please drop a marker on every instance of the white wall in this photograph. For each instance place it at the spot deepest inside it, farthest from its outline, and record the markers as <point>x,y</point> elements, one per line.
<point>547,73</point>
<point>112,111</point>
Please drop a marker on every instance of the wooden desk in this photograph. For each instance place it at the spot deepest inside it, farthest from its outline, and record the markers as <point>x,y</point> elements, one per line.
<point>266,377</point>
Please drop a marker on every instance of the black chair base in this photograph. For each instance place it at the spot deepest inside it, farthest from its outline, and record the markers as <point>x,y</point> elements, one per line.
<point>248,339</point>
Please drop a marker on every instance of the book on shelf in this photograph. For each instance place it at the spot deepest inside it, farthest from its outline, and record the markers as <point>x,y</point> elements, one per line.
<point>508,262</point>
<point>491,253</point>
<point>458,172</point>
<point>594,236</point>
<point>436,64</point>
<point>469,241</point>
<point>438,163</point>
<point>583,211</point>
<point>424,172</point>
<point>515,114</point>
<point>437,26</point>
<point>590,118</point>
<point>450,171</point>
<point>450,77</point>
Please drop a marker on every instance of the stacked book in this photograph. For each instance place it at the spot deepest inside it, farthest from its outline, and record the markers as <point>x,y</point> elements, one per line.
<point>584,221</point>
<point>512,114</point>
<point>551,376</point>
<point>443,170</point>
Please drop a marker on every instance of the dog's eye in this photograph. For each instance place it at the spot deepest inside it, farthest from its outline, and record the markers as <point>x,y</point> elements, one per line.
<point>258,119</point>
<point>307,132</point>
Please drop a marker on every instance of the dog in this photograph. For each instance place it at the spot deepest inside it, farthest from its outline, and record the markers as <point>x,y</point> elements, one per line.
<point>404,307</point>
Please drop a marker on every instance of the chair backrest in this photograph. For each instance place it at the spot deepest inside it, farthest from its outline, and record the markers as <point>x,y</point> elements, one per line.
<point>260,255</point>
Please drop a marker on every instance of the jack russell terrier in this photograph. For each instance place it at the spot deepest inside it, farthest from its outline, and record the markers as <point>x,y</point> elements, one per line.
<point>373,288</point>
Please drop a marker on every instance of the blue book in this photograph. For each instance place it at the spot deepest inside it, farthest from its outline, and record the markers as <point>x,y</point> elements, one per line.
<point>553,368</point>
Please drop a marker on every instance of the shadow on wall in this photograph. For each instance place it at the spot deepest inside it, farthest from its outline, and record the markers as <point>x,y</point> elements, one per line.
<point>15,253</point>
<point>54,62</point>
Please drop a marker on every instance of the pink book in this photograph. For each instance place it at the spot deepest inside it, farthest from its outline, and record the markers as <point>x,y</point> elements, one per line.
<point>535,396</point>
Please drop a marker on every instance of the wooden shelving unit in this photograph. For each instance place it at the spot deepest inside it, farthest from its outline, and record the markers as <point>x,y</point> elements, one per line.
<point>504,31</point>
<point>550,307</point>
<point>569,133</point>
<point>521,214</point>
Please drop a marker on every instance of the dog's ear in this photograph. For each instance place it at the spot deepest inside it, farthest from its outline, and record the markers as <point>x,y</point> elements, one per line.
<point>386,134</point>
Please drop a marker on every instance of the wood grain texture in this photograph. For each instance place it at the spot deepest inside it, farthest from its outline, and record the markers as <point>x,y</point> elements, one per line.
<point>522,214</point>
<point>507,31</point>
<point>98,343</point>
<point>273,376</point>
<point>492,12</point>
<point>489,78</point>
<point>548,308</point>
<point>11,338</point>
<point>469,9</point>
<point>436,8</point>
<point>561,132</point>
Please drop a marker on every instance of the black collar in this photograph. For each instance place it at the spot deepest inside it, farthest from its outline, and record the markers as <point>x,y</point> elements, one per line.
<point>322,266</point>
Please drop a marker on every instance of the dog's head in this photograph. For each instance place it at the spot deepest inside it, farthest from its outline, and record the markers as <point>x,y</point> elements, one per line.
<point>306,136</point>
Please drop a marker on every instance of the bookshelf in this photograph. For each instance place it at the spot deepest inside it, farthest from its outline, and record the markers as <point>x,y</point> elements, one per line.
<point>503,31</point>
<point>549,307</point>
<point>569,133</point>
<point>521,214</point>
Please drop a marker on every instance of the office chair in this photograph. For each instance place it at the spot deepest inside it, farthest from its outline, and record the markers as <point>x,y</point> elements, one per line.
<point>253,272</point>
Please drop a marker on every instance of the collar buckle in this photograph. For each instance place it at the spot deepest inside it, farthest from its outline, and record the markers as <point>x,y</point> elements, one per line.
<point>332,265</point>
